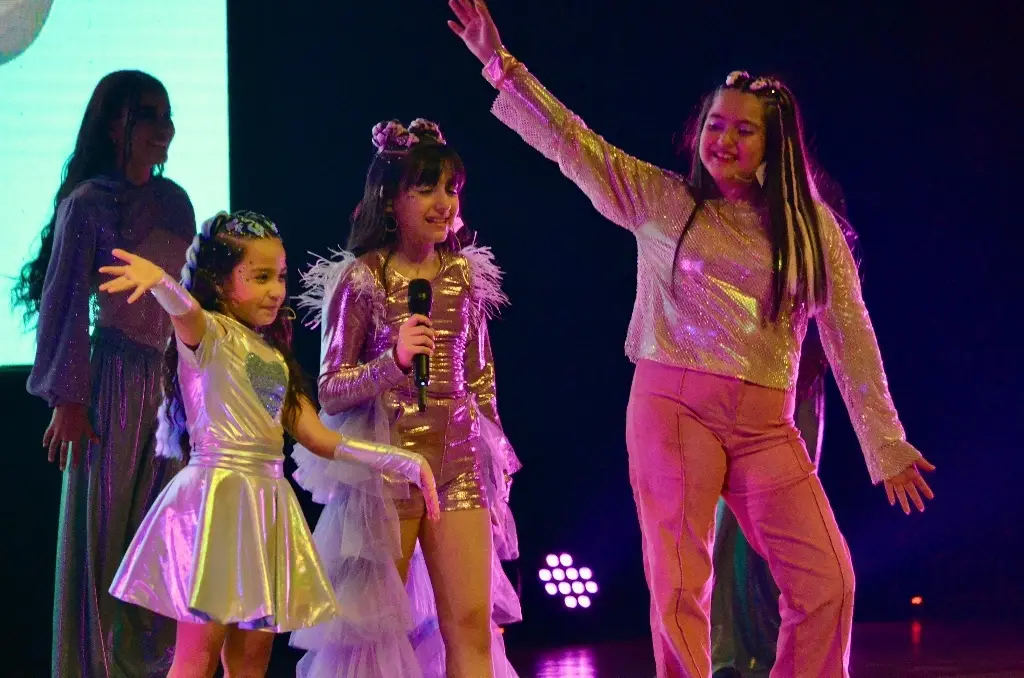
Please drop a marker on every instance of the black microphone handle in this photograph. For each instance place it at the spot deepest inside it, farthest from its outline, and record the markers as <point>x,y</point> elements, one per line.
<point>421,376</point>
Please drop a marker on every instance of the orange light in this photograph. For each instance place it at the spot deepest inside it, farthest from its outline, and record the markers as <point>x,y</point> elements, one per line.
<point>916,600</point>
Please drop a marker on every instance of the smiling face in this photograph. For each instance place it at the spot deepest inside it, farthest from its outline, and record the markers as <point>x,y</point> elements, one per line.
<point>732,140</point>
<point>257,287</point>
<point>151,131</point>
<point>426,213</point>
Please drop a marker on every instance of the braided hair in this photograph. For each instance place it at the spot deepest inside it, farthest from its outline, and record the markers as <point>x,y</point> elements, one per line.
<point>798,256</point>
<point>215,251</point>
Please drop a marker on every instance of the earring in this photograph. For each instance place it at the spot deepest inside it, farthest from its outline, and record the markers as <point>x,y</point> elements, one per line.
<point>392,225</point>
<point>760,173</point>
<point>289,312</point>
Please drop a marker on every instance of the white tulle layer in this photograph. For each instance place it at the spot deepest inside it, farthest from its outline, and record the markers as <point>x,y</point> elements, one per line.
<point>385,629</point>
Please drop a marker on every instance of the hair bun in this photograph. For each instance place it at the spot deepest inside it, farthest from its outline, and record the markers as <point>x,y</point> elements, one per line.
<point>390,136</point>
<point>427,129</point>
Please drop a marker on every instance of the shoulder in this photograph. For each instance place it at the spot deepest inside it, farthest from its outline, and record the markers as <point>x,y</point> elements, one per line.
<point>92,193</point>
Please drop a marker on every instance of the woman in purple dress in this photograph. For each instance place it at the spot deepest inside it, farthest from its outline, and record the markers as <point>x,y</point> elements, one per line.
<point>98,364</point>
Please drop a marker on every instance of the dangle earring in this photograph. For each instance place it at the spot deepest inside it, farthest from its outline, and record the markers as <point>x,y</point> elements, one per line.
<point>392,225</point>
<point>760,173</point>
<point>289,312</point>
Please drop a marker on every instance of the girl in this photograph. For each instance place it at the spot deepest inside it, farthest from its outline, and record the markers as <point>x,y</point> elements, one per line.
<point>745,602</point>
<point>732,262</point>
<point>105,404</point>
<point>225,550</point>
<point>405,229</point>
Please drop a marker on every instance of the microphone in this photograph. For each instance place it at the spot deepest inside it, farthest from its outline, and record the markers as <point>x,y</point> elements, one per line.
<point>420,297</point>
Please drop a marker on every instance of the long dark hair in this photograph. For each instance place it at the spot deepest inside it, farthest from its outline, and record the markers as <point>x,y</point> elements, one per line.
<point>94,154</point>
<point>214,253</point>
<point>417,156</point>
<point>798,260</point>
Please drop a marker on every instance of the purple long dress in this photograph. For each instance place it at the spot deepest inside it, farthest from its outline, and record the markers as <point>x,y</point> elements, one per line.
<point>116,370</point>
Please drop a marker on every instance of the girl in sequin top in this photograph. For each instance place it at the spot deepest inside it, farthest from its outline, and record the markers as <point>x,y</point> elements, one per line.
<point>406,228</point>
<point>225,550</point>
<point>731,264</point>
<point>104,387</point>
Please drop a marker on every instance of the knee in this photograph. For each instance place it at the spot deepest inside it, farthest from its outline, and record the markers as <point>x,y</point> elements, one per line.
<point>839,584</point>
<point>473,628</point>
<point>197,663</point>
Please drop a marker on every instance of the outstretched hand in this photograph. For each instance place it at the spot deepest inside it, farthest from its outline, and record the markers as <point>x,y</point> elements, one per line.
<point>476,28</point>
<point>138,274</point>
<point>910,484</point>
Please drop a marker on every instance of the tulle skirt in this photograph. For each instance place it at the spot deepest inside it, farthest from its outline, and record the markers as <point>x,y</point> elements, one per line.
<point>385,629</point>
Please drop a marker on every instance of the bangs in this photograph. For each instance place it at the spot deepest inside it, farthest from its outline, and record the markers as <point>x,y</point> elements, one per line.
<point>427,163</point>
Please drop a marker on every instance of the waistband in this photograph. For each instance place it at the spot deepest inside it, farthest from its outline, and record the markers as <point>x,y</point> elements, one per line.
<point>264,461</point>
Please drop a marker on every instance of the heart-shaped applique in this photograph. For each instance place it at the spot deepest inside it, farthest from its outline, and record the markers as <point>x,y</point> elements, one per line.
<point>269,381</point>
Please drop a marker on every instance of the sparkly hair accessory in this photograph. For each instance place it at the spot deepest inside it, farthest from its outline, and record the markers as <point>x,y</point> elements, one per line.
<point>761,84</point>
<point>394,137</point>
<point>249,223</point>
<point>735,76</point>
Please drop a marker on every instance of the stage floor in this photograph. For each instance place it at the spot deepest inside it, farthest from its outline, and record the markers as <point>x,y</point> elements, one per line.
<point>882,650</point>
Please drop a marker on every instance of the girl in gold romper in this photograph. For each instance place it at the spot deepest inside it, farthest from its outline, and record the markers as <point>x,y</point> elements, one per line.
<point>372,534</point>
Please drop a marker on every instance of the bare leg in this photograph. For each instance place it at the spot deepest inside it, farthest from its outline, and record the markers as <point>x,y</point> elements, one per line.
<point>246,654</point>
<point>410,532</point>
<point>457,550</point>
<point>197,650</point>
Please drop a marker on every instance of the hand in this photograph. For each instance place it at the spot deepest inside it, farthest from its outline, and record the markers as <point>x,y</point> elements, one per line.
<point>429,488</point>
<point>476,28</point>
<point>69,428</point>
<point>909,482</point>
<point>139,274</point>
<point>415,337</point>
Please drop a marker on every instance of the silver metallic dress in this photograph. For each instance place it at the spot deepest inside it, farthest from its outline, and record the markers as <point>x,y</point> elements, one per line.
<point>226,541</point>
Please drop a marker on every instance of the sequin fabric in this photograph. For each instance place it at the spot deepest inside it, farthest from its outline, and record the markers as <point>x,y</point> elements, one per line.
<point>226,541</point>
<point>710,314</point>
<point>360,330</point>
<point>117,373</point>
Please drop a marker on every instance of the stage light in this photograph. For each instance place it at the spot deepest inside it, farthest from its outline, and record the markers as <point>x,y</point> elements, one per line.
<point>561,578</point>
<point>917,600</point>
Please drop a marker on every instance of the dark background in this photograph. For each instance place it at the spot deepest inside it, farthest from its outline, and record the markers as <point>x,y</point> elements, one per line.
<point>907,104</point>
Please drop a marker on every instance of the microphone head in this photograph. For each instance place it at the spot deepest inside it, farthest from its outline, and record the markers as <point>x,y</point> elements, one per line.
<point>420,296</point>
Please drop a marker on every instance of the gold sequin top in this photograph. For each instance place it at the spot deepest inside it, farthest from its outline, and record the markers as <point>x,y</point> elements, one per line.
<point>360,329</point>
<point>712,315</point>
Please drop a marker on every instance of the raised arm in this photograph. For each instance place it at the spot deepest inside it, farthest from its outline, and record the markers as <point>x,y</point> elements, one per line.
<point>849,342</point>
<point>140,276</point>
<point>312,434</point>
<point>622,188</point>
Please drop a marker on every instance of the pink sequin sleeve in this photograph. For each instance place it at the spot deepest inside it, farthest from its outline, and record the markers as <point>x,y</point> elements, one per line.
<point>625,190</point>
<point>849,342</point>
